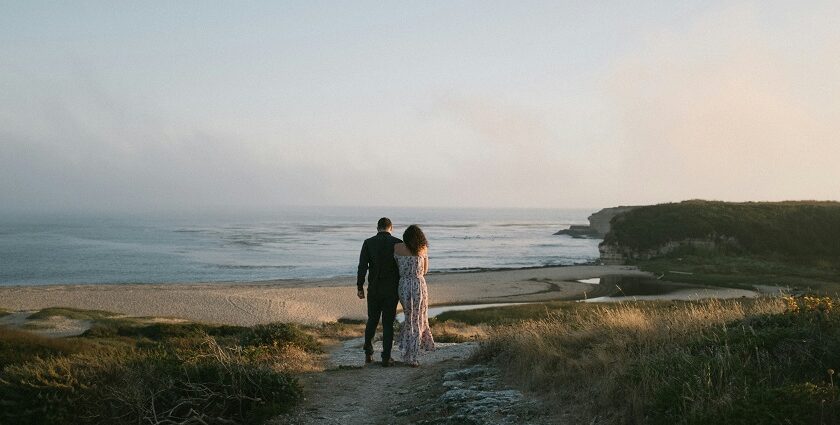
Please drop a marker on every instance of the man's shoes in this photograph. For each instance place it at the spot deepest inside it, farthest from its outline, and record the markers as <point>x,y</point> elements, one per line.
<point>387,362</point>
<point>368,358</point>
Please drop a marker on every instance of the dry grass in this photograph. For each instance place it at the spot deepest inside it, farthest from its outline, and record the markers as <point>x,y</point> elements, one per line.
<point>331,332</point>
<point>127,370</point>
<point>620,362</point>
<point>212,384</point>
<point>451,331</point>
<point>18,346</point>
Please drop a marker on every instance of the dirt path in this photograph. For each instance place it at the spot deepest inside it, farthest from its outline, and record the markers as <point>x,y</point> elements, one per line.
<point>350,392</point>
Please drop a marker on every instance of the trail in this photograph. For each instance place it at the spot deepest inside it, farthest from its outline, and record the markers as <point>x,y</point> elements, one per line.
<point>350,392</point>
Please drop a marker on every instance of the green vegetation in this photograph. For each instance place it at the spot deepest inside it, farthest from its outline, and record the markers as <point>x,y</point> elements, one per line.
<point>793,244</point>
<point>70,313</point>
<point>514,314</point>
<point>788,230</point>
<point>705,268</point>
<point>767,360</point>
<point>139,371</point>
<point>20,346</point>
<point>3,312</point>
<point>452,331</point>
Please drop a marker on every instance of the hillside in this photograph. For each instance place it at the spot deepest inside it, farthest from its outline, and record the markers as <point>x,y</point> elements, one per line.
<point>787,230</point>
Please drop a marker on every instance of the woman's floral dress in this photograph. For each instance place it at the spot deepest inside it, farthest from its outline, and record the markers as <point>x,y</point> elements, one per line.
<point>414,297</point>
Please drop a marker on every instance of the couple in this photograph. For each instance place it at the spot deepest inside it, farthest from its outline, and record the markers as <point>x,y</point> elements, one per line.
<point>395,270</point>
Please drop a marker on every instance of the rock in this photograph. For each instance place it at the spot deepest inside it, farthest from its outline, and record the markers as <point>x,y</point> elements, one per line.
<point>600,221</point>
<point>458,394</point>
<point>579,232</point>
<point>405,412</point>
<point>473,396</point>
<point>467,373</point>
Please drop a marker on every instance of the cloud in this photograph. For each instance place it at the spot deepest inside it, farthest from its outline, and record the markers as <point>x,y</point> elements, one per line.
<point>84,148</point>
<point>739,103</point>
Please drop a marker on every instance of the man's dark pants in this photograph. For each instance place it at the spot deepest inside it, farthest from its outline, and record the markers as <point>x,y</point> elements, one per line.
<point>386,307</point>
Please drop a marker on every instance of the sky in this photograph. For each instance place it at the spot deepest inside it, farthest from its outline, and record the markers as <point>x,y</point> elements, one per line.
<point>160,105</point>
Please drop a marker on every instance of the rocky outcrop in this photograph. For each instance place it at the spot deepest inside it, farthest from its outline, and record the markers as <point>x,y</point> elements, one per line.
<point>599,223</point>
<point>473,396</point>
<point>579,232</point>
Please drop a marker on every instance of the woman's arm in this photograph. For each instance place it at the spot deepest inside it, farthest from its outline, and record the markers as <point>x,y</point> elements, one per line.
<point>425,264</point>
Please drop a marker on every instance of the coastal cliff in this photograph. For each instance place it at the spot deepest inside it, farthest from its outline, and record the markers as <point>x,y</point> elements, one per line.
<point>788,230</point>
<point>599,223</point>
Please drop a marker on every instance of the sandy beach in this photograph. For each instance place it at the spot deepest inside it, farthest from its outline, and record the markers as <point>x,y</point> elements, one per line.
<point>303,301</point>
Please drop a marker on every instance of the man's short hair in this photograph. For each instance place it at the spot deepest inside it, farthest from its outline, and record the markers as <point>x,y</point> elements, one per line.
<point>384,223</point>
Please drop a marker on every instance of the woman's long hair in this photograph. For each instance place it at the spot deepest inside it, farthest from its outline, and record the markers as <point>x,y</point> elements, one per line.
<point>414,239</point>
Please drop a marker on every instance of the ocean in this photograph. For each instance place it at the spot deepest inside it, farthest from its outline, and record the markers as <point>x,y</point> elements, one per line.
<point>291,243</point>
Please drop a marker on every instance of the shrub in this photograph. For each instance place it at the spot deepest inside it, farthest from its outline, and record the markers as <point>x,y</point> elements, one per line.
<point>144,386</point>
<point>280,335</point>
<point>126,371</point>
<point>160,331</point>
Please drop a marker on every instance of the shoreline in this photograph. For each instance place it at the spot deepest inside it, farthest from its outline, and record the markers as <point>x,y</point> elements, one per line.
<point>302,280</point>
<point>306,301</point>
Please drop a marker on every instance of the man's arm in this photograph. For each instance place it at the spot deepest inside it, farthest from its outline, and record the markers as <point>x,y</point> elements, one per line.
<point>363,268</point>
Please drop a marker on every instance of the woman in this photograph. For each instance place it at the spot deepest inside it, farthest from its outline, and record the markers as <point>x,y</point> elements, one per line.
<point>413,261</point>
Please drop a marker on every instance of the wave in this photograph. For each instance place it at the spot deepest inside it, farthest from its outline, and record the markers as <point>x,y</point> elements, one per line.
<point>540,225</point>
<point>252,266</point>
<point>448,226</point>
<point>497,269</point>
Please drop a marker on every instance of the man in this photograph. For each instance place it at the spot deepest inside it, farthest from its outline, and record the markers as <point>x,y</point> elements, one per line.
<point>377,261</point>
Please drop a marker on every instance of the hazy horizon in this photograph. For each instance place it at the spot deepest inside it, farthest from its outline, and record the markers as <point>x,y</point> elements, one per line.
<point>251,106</point>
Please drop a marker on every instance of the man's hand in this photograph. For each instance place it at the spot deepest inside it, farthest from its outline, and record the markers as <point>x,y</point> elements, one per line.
<point>361,294</point>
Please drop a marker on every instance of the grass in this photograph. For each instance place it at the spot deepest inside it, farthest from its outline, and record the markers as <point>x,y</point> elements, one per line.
<point>494,316</point>
<point>157,386</point>
<point>737,362</point>
<point>70,313</point>
<point>125,370</point>
<point>742,272</point>
<point>18,346</point>
<point>331,332</point>
<point>452,331</point>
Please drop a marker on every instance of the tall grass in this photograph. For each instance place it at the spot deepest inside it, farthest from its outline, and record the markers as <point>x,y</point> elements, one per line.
<point>714,361</point>
<point>18,346</point>
<point>122,371</point>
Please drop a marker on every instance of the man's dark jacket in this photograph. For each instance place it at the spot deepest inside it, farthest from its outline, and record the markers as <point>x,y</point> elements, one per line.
<point>377,261</point>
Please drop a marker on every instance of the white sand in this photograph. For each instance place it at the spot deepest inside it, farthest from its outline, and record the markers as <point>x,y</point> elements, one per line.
<point>304,301</point>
